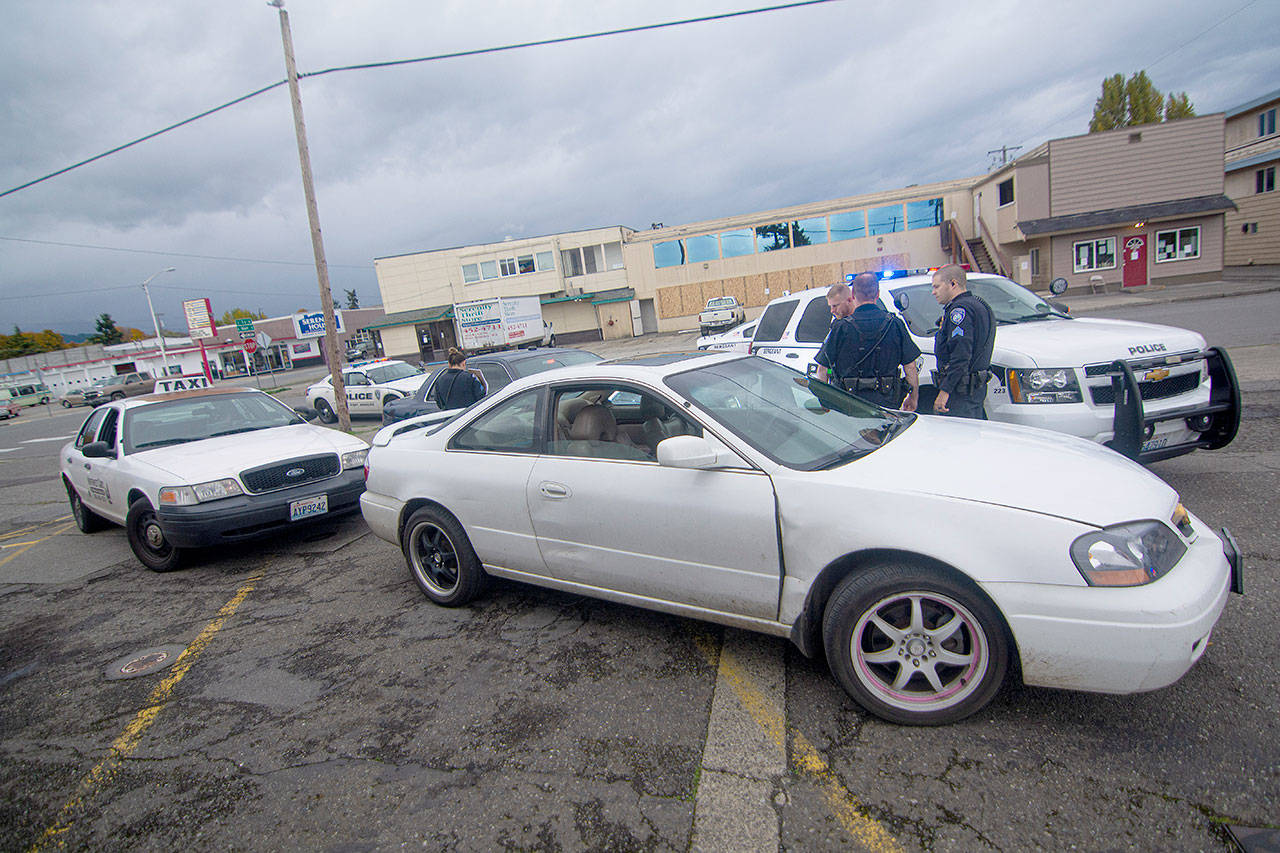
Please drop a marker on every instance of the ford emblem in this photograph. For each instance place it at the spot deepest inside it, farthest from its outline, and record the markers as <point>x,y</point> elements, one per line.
<point>295,472</point>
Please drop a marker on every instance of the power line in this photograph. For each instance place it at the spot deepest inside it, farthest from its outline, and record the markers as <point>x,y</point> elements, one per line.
<point>392,63</point>
<point>177,254</point>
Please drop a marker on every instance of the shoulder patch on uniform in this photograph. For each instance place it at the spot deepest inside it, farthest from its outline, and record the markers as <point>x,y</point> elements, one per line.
<point>957,316</point>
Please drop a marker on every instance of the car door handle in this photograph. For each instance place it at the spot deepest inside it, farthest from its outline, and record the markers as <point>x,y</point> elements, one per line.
<point>554,490</point>
<point>793,355</point>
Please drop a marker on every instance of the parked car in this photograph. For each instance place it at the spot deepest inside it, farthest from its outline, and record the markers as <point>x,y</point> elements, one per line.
<point>9,409</point>
<point>369,385</point>
<point>207,467</point>
<point>26,394</point>
<point>730,488</point>
<point>737,339</point>
<point>118,387</point>
<point>78,396</point>
<point>1051,370</point>
<point>495,369</point>
<point>359,350</point>
<point>721,313</point>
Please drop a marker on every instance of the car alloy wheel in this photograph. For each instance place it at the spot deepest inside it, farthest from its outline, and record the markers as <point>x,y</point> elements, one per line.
<point>441,558</point>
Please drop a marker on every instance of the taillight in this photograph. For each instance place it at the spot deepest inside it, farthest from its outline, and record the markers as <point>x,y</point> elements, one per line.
<point>366,471</point>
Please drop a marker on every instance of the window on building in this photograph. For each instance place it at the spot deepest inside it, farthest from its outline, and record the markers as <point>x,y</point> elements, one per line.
<point>544,261</point>
<point>470,273</point>
<point>809,232</point>
<point>733,244</point>
<point>1179,244</point>
<point>1091,255</point>
<point>592,259</point>
<point>924,214</point>
<point>524,264</point>
<point>613,256</point>
<point>508,266</point>
<point>1267,122</point>
<point>488,269</point>
<point>668,254</point>
<point>1266,179</point>
<point>770,238</point>
<point>704,247</point>
<point>1005,189</point>
<point>886,220</point>
<point>1035,262</point>
<point>847,226</point>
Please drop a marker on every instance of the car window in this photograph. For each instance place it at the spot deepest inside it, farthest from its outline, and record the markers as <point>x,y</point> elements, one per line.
<point>545,361</point>
<point>108,431</point>
<point>197,418</point>
<point>614,422</point>
<point>354,379</point>
<point>424,390</point>
<point>774,320</point>
<point>1011,303</point>
<point>391,372</point>
<point>747,332</point>
<point>495,377</point>
<point>794,420</point>
<point>815,322</point>
<point>510,427</point>
<point>90,428</point>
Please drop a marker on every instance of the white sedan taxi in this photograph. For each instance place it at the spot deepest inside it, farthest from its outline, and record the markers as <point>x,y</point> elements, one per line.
<point>737,339</point>
<point>370,385</point>
<point>926,555</point>
<point>206,467</point>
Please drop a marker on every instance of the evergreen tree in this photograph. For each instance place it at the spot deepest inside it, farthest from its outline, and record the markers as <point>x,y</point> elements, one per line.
<point>105,331</point>
<point>1146,104</point>
<point>1126,103</point>
<point>353,301</point>
<point>1111,110</point>
<point>1178,106</point>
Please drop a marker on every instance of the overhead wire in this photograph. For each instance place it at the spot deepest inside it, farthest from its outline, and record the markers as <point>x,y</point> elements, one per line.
<point>178,254</point>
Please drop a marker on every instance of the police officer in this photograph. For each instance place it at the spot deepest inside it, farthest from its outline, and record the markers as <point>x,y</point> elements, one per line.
<point>962,345</point>
<point>868,349</point>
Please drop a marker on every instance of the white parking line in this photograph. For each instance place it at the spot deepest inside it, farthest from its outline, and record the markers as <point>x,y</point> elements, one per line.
<point>9,449</point>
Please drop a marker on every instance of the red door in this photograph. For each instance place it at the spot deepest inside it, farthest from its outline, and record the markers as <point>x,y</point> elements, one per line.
<point>1135,261</point>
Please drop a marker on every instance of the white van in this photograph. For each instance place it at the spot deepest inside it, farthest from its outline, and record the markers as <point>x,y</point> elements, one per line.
<point>1050,370</point>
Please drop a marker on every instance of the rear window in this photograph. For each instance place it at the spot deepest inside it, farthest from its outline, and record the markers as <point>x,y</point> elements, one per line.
<point>774,320</point>
<point>815,322</point>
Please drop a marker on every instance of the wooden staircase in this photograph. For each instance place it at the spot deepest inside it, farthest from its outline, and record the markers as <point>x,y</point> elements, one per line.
<point>980,254</point>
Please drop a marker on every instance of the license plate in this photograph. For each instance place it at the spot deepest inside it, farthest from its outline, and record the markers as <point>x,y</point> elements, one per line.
<point>1155,443</point>
<point>308,507</point>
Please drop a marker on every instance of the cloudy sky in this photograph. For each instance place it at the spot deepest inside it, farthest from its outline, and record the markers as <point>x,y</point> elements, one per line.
<point>669,125</point>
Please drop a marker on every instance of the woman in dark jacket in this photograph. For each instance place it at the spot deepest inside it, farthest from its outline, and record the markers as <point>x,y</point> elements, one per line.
<point>457,388</point>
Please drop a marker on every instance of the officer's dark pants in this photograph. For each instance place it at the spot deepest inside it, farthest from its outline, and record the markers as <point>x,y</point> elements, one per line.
<point>966,407</point>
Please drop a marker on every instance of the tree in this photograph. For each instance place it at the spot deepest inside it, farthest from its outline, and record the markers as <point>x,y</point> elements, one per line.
<point>1136,101</point>
<point>353,301</point>
<point>229,318</point>
<point>105,331</point>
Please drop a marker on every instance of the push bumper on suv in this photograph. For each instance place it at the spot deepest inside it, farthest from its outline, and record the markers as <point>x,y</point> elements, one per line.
<point>249,516</point>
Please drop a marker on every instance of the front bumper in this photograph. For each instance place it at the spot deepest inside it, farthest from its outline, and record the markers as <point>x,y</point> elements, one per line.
<point>1122,640</point>
<point>250,516</point>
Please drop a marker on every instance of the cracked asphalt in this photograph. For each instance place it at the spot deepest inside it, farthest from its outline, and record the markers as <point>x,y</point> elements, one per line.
<point>337,709</point>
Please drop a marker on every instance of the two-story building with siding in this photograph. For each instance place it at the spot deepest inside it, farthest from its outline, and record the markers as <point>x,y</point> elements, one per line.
<point>1252,155</point>
<point>1127,207</point>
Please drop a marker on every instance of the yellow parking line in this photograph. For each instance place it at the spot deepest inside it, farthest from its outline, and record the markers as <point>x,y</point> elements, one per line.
<point>19,532</point>
<point>24,547</point>
<point>843,804</point>
<point>128,740</point>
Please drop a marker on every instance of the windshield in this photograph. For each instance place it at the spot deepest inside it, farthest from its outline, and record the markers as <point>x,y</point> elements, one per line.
<point>530,366</point>
<point>722,302</point>
<point>196,418</point>
<point>795,421</point>
<point>391,372</point>
<point>114,380</point>
<point>1011,303</point>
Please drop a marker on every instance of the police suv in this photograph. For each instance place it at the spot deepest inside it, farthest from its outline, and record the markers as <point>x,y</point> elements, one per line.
<point>370,386</point>
<point>1050,370</point>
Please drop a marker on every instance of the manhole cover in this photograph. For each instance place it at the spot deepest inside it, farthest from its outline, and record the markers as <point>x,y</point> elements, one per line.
<point>144,662</point>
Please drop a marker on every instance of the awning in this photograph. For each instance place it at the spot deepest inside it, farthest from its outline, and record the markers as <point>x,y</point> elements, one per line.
<point>1126,215</point>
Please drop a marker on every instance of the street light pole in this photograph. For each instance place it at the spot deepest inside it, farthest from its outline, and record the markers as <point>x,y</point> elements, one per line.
<point>164,355</point>
<point>313,215</point>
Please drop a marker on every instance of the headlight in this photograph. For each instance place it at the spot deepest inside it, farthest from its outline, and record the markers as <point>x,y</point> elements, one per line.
<point>1044,385</point>
<point>354,459</point>
<point>199,493</point>
<point>1130,554</point>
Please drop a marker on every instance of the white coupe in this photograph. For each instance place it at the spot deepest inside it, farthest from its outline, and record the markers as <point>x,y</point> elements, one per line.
<point>206,467</point>
<point>925,555</point>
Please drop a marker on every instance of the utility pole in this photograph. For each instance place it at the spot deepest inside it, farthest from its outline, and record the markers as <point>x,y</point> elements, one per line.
<point>313,215</point>
<point>1003,150</point>
<point>164,355</point>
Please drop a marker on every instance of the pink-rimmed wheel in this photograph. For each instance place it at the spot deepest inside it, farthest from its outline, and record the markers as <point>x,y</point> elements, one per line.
<point>913,645</point>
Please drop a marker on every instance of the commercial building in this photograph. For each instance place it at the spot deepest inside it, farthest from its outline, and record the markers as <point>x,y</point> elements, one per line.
<point>1252,155</point>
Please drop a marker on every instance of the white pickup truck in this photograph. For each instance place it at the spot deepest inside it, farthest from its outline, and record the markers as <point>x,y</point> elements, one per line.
<point>1049,370</point>
<point>721,312</point>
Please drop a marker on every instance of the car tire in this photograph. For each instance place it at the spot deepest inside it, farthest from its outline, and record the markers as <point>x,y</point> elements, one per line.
<point>899,619</point>
<point>66,404</point>
<point>86,519</point>
<point>147,539</point>
<point>119,395</point>
<point>324,412</point>
<point>702,331</point>
<point>389,398</point>
<point>44,401</point>
<point>440,557</point>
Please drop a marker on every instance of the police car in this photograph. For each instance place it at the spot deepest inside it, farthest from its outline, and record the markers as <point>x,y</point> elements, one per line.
<point>1050,370</point>
<point>737,339</point>
<point>370,386</point>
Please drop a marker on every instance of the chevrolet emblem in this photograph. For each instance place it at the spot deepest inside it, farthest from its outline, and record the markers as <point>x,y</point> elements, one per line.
<point>1155,375</point>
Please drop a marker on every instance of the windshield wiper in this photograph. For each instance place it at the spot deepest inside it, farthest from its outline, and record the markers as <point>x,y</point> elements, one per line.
<point>237,430</point>
<point>164,442</point>
<point>1029,317</point>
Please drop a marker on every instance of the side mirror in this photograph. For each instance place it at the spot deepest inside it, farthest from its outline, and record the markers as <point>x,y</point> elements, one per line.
<point>1058,286</point>
<point>687,451</point>
<point>1060,307</point>
<point>306,414</point>
<point>901,300</point>
<point>98,450</point>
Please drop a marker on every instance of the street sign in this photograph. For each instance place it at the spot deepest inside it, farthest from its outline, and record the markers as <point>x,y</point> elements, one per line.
<point>244,327</point>
<point>250,346</point>
<point>263,339</point>
<point>199,318</point>
<point>311,325</point>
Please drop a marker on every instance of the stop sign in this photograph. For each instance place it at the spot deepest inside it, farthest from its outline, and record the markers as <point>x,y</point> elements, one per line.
<point>250,346</point>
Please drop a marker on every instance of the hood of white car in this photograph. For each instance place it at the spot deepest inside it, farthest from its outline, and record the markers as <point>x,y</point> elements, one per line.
<point>1020,467</point>
<point>226,456</point>
<point>1063,343</point>
<point>407,386</point>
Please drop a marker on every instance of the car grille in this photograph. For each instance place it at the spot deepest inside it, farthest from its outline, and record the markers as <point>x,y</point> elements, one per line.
<point>1105,395</point>
<point>270,478</point>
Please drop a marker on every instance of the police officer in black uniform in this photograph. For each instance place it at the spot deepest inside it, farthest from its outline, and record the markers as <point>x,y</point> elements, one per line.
<point>869,350</point>
<point>962,346</point>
